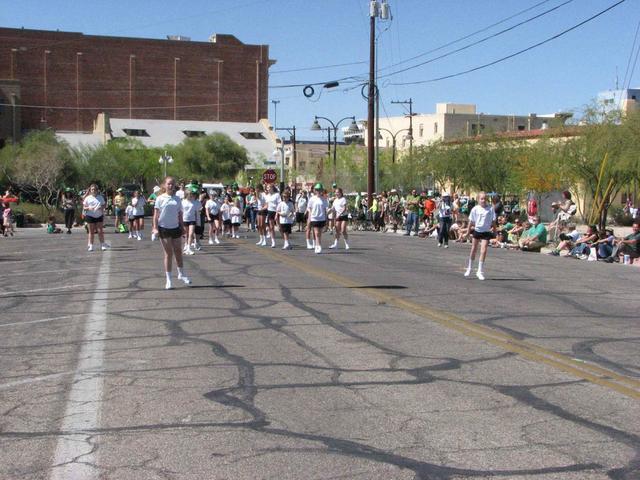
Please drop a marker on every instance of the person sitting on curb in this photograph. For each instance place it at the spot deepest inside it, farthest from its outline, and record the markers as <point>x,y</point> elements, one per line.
<point>535,238</point>
<point>513,235</point>
<point>583,245</point>
<point>629,245</point>
<point>605,243</point>
<point>568,240</point>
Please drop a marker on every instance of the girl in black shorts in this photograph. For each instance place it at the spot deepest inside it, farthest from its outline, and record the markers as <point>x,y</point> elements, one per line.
<point>167,224</point>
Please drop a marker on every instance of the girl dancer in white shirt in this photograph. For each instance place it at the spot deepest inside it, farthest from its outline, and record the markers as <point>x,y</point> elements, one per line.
<point>318,206</point>
<point>167,224</point>
<point>236,218</point>
<point>225,213</point>
<point>273,199</point>
<point>212,207</point>
<point>482,220</point>
<point>138,202</point>
<point>261,202</point>
<point>190,211</point>
<point>339,208</point>
<point>285,214</point>
<point>93,209</point>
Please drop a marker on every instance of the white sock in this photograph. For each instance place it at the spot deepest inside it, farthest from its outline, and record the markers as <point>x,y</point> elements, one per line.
<point>168,275</point>
<point>470,264</point>
<point>180,272</point>
<point>480,265</point>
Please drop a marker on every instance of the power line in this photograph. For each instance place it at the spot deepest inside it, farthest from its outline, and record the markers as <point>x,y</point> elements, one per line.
<point>633,47</point>
<point>477,42</point>
<point>519,52</point>
<point>316,68</point>
<point>453,42</point>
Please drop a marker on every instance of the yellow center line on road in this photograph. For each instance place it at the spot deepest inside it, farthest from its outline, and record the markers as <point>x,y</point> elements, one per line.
<point>593,373</point>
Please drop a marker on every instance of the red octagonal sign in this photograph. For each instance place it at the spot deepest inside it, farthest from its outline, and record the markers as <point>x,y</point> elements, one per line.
<point>269,176</point>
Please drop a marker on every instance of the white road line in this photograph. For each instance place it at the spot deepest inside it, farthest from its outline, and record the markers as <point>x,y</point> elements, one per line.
<point>7,293</point>
<point>26,381</point>
<point>74,457</point>
<point>42,320</point>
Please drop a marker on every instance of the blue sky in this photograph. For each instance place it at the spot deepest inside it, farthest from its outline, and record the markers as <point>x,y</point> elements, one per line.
<point>563,75</point>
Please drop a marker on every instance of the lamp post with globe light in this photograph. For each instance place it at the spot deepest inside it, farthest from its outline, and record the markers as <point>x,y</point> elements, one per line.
<point>353,128</point>
<point>409,137</point>
<point>164,160</point>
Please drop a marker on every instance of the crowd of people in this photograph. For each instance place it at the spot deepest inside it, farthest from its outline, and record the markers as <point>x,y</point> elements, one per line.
<point>182,212</point>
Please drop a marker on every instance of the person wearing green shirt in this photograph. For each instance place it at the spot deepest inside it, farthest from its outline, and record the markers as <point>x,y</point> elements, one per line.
<point>535,238</point>
<point>412,204</point>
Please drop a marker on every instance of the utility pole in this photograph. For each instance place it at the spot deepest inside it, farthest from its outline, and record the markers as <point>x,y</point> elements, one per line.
<point>376,9</point>
<point>410,103</point>
<point>275,113</point>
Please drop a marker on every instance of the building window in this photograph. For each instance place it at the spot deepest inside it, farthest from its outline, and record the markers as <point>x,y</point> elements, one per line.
<point>135,132</point>
<point>252,135</point>
<point>421,130</point>
<point>477,129</point>
<point>435,128</point>
<point>194,133</point>
<point>520,128</point>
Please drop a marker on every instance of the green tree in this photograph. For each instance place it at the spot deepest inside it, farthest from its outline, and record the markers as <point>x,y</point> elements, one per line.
<point>210,157</point>
<point>38,166</point>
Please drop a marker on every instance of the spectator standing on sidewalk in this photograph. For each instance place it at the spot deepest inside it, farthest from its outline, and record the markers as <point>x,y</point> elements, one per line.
<point>482,220</point>
<point>445,211</point>
<point>69,208</point>
<point>412,205</point>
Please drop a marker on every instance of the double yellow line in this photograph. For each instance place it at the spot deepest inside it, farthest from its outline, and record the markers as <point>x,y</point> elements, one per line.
<point>592,373</point>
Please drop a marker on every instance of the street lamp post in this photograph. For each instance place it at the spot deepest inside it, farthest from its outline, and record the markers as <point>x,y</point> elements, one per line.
<point>353,128</point>
<point>393,136</point>
<point>164,160</point>
<point>292,132</point>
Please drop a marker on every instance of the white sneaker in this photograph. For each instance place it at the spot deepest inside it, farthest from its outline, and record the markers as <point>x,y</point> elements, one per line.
<point>263,243</point>
<point>168,285</point>
<point>334,244</point>
<point>139,238</point>
<point>216,241</point>
<point>346,246</point>
<point>318,249</point>
<point>130,236</point>
<point>105,246</point>
<point>446,245</point>
<point>439,245</point>
<point>259,242</point>
<point>238,237</point>
<point>480,275</point>
<point>210,242</point>
<point>467,272</point>
<point>190,252</point>
<point>90,248</point>
<point>285,247</point>
<point>273,243</point>
<point>309,246</point>
<point>185,279</point>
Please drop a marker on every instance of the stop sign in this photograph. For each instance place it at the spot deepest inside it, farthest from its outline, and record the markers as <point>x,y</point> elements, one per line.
<point>269,176</point>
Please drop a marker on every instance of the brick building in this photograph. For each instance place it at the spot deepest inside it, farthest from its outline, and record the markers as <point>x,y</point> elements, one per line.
<point>62,80</point>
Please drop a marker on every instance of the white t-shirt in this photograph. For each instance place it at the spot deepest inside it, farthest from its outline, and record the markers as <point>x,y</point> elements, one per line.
<point>93,206</point>
<point>180,194</point>
<point>190,209</point>
<point>273,199</point>
<point>301,203</point>
<point>482,218</point>
<point>225,209</point>
<point>444,210</point>
<point>285,212</point>
<point>318,208</point>
<point>236,215</point>
<point>261,200</point>
<point>138,205</point>
<point>340,206</point>
<point>170,207</point>
<point>129,211</point>
<point>213,207</point>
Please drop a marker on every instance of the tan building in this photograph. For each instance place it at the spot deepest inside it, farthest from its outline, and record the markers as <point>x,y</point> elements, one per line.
<point>453,120</point>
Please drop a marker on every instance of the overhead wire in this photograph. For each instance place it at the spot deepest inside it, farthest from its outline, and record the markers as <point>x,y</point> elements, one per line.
<point>515,54</point>
<point>631,55</point>
<point>477,42</point>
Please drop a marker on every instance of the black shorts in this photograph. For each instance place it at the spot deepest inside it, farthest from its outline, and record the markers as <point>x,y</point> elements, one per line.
<point>482,235</point>
<point>235,224</point>
<point>318,224</point>
<point>213,218</point>
<point>343,218</point>
<point>188,224</point>
<point>169,232</point>
<point>226,222</point>
<point>262,213</point>
<point>271,215</point>
<point>136,217</point>
<point>89,219</point>
<point>300,217</point>
<point>285,227</point>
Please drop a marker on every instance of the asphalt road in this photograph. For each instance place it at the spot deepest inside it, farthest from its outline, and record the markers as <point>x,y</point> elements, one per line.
<point>383,362</point>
